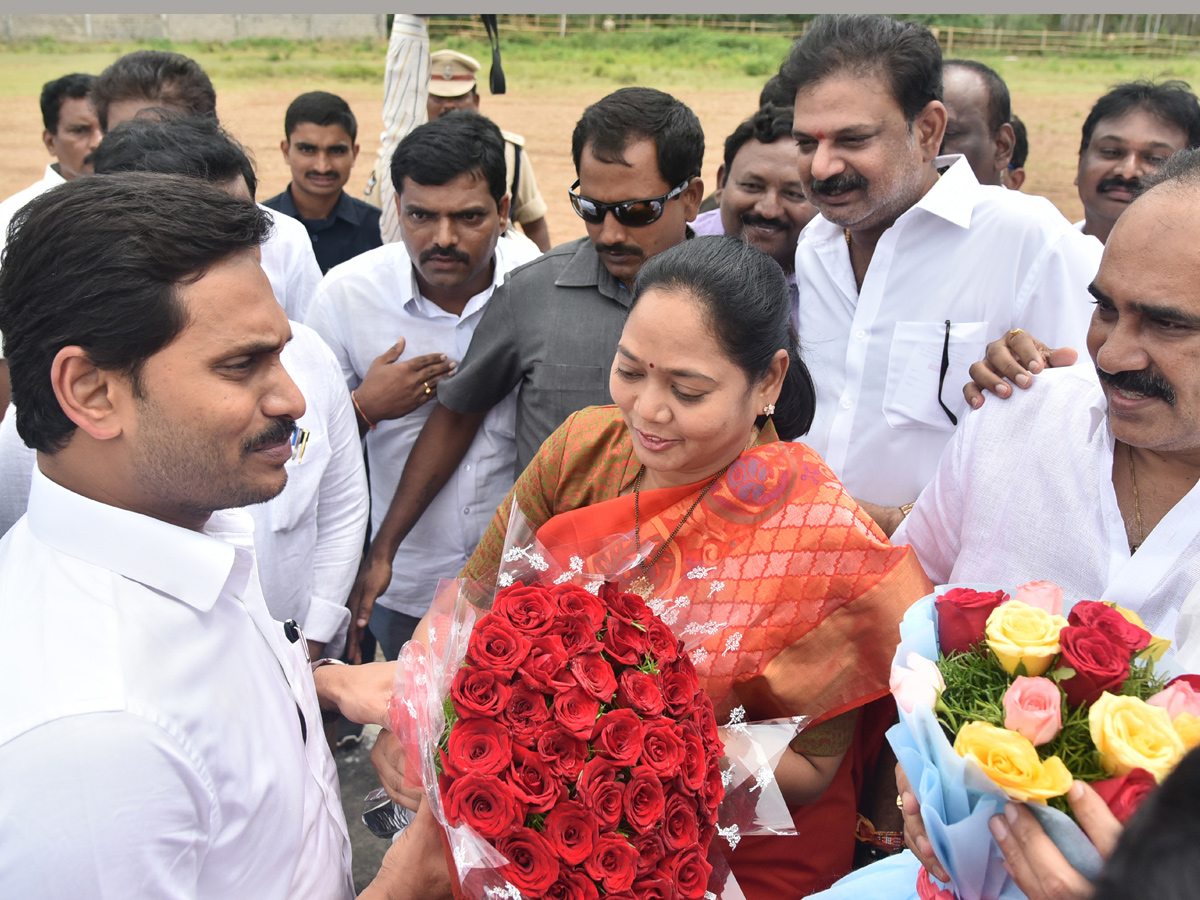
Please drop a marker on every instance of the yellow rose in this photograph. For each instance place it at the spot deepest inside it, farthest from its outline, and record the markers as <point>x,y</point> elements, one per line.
<point>1010,760</point>
<point>1019,633</point>
<point>1158,645</point>
<point>1187,727</point>
<point>1131,734</point>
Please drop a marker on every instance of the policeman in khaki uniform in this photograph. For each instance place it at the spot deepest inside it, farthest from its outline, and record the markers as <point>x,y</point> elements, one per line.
<point>452,86</point>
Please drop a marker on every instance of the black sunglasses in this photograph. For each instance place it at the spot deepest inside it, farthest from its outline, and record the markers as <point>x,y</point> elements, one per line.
<point>634,213</point>
<point>942,376</point>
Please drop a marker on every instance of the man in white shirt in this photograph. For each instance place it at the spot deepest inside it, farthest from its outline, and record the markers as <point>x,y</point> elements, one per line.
<point>900,276</point>
<point>149,82</point>
<point>160,734</point>
<point>429,291</point>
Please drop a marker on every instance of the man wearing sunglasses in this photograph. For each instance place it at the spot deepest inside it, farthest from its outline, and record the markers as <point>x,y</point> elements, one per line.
<point>551,329</point>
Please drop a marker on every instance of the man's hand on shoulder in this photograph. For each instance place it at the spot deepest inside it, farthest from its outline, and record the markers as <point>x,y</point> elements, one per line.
<point>1017,356</point>
<point>392,389</point>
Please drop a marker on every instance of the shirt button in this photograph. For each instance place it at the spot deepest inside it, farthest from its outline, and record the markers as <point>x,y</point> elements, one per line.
<point>467,467</point>
<point>846,404</point>
<point>861,335</point>
<point>466,510</point>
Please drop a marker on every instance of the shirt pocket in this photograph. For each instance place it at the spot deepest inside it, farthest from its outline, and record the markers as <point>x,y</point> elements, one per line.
<point>297,502</point>
<point>910,397</point>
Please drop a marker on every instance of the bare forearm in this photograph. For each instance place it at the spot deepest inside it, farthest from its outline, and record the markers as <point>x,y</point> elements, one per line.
<point>538,232</point>
<point>888,518</point>
<point>439,449</point>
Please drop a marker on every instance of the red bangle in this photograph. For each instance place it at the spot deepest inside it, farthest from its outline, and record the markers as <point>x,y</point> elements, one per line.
<point>362,414</point>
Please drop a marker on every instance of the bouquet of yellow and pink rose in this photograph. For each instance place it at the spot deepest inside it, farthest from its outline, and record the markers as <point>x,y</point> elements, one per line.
<point>1002,697</point>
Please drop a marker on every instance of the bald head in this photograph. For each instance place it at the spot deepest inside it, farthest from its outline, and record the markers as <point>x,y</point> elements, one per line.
<point>978,112</point>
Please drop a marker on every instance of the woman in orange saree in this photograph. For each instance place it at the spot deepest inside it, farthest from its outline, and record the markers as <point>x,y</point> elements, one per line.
<point>707,380</point>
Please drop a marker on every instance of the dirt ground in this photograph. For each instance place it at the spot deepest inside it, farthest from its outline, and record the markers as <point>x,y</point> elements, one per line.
<point>255,117</point>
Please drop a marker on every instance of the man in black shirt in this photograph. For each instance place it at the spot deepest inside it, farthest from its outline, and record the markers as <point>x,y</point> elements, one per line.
<point>320,149</point>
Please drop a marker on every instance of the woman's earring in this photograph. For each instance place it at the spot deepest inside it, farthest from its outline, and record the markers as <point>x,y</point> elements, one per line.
<point>769,409</point>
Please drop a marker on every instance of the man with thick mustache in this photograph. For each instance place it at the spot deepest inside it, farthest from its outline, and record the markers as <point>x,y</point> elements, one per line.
<point>1130,132</point>
<point>398,318</point>
<point>911,266</point>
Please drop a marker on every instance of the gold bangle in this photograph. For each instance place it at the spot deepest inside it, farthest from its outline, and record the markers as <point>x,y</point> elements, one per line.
<point>362,414</point>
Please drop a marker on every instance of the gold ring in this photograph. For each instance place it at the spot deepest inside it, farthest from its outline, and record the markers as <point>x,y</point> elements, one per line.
<point>1014,331</point>
<point>428,389</point>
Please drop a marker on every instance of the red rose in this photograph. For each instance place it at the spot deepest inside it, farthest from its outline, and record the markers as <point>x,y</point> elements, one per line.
<point>532,782</point>
<point>690,872</point>
<point>629,607</point>
<point>1111,624</point>
<point>679,685</point>
<point>1125,794</point>
<point>576,601</point>
<point>691,771</point>
<point>708,832</point>
<point>653,889</point>
<point>593,673</point>
<point>525,712</point>
<point>496,646</point>
<point>618,737</point>
<point>706,724</point>
<point>650,850</point>
<point>639,691</point>
<point>564,752</point>
<point>476,745</point>
<point>644,801</point>
<point>663,644</point>
<point>713,790</point>
<point>613,864</point>
<point>600,792</point>
<point>529,608</point>
<point>578,635</point>
<point>1193,680</point>
<point>571,832</point>
<point>485,803</point>
<point>680,828</point>
<point>544,667</point>
<point>624,641</point>
<point>576,710</point>
<point>479,692</point>
<point>962,614</point>
<point>572,885</point>
<point>662,747</point>
<point>532,866</point>
<point>1099,664</point>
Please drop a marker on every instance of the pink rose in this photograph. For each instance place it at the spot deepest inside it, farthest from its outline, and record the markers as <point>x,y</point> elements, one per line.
<point>1033,707</point>
<point>1043,594</point>
<point>920,683</point>
<point>1177,697</point>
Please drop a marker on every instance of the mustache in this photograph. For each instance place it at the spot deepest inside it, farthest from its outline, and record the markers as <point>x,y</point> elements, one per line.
<point>279,430</point>
<point>313,172</point>
<point>436,252</point>
<point>764,222</point>
<point>1139,381</point>
<point>619,248</point>
<point>838,184</point>
<point>1116,181</point>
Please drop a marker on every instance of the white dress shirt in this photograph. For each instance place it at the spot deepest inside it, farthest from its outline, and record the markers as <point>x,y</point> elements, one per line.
<point>987,259</point>
<point>361,309</point>
<point>291,266</point>
<point>9,207</point>
<point>1024,492</point>
<point>308,539</point>
<point>150,723</point>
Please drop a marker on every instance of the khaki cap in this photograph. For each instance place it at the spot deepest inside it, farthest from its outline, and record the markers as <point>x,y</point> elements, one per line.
<point>451,74</point>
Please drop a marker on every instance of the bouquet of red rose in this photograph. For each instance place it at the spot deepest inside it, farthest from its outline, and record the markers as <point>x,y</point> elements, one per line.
<point>1002,697</point>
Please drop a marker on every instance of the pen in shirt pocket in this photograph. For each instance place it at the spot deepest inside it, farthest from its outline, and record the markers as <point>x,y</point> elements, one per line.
<point>299,443</point>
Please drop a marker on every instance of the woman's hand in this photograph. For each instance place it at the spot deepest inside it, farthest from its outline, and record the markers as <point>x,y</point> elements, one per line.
<point>915,837</point>
<point>1031,858</point>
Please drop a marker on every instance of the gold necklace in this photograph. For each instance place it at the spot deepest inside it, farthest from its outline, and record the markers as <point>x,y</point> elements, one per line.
<point>642,586</point>
<point>847,237</point>
<point>1137,506</point>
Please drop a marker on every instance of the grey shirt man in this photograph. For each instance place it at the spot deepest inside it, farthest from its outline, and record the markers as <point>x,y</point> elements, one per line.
<point>552,328</point>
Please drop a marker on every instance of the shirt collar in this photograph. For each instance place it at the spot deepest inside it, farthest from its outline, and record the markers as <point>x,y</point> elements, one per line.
<point>286,204</point>
<point>191,566</point>
<point>586,269</point>
<point>347,209</point>
<point>952,196</point>
<point>52,175</point>
<point>417,304</point>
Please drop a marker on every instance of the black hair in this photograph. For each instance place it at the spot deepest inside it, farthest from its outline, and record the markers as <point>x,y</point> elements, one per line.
<point>459,143</point>
<point>320,108</point>
<point>175,145</point>
<point>766,126</point>
<point>631,114</point>
<point>775,93</point>
<point>905,54</point>
<point>999,102</point>
<point>75,86</point>
<point>1020,145</point>
<point>1181,170</point>
<point>1172,101</point>
<point>1156,854</point>
<point>95,262</point>
<point>169,79</point>
<point>748,308</point>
